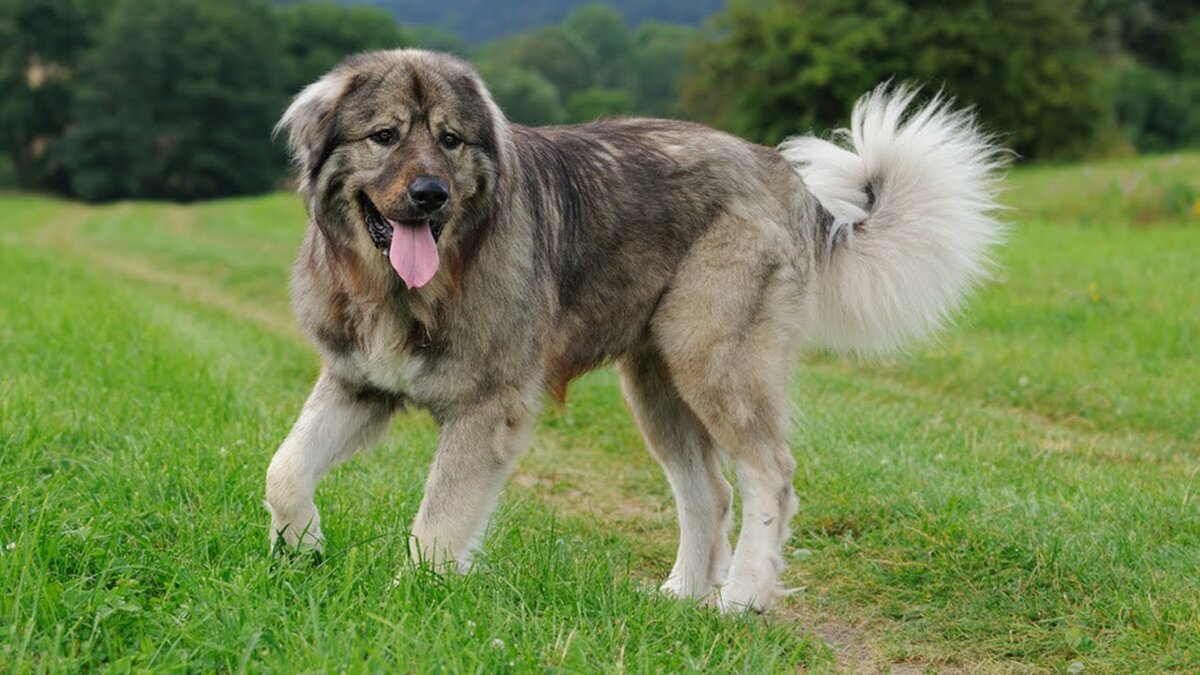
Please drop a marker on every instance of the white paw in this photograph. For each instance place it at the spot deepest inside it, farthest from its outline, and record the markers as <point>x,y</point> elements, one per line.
<point>296,532</point>
<point>748,594</point>
<point>439,558</point>
<point>679,587</point>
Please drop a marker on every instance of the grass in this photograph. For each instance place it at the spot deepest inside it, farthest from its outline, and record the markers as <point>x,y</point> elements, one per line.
<point>1019,496</point>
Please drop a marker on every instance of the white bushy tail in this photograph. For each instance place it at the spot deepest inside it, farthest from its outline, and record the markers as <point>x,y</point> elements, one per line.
<point>912,197</point>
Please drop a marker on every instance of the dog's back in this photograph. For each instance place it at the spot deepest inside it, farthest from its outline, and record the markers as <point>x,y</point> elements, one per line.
<point>620,203</point>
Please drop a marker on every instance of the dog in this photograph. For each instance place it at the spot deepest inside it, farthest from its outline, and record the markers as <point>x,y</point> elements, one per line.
<point>468,265</point>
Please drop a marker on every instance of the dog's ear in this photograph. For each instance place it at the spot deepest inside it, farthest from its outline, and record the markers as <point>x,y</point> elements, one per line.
<point>311,124</point>
<point>499,140</point>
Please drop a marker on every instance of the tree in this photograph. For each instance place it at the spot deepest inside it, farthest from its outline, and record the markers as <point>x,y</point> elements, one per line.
<point>438,39</point>
<point>779,67</point>
<point>177,101</point>
<point>602,28</point>
<point>1153,50</point>
<point>524,95</point>
<point>594,104</point>
<point>41,43</point>
<point>479,21</point>
<point>1158,110</point>
<point>316,36</point>
<point>558,55</point>
<point>660,49</point>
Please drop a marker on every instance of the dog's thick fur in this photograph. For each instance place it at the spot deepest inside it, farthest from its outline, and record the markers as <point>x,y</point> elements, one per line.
<point>698,262</point>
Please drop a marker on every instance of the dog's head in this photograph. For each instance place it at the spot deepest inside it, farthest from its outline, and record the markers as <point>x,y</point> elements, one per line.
<point>398,152</point>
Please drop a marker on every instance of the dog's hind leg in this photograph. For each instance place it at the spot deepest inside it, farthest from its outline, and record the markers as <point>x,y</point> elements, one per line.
<point>740,396</point>
<point>334,423</point>
<point>688,456</point>
<point>727,330</point>
<point>475,454</point>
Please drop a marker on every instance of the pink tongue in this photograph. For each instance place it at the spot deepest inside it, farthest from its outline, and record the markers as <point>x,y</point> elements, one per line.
<point>414,253</point>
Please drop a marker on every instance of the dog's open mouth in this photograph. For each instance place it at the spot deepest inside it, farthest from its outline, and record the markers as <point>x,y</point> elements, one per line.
<point>410,246</point>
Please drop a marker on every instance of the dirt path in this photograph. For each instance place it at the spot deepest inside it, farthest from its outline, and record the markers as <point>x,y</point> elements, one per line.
<point>64,235</point>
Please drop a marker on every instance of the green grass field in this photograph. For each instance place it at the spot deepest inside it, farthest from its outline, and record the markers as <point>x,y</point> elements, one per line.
<point>1022,495</point>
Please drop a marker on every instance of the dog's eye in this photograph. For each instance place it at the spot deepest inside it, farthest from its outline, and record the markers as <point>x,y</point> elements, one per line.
<point>384,136</point>
<point>450,140</point>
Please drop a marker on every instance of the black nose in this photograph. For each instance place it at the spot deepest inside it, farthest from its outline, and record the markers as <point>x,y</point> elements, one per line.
<point>428,193</point>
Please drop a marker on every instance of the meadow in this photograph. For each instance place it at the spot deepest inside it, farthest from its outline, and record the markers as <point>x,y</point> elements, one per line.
<point>1021,495</point>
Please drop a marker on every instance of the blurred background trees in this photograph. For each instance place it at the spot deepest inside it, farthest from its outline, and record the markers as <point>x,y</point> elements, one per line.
<point>594,64</point>
<point>41,45</point>
<point>1153,47</point>
<point>772,69</point>
<point>175,99</point>
<point>167,99</point>
<point>314,36</point>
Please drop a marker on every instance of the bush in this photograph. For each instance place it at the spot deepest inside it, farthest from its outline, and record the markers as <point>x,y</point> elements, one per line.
<point>783,67</point>
<point>177,101</point>
<point>1157,110</point>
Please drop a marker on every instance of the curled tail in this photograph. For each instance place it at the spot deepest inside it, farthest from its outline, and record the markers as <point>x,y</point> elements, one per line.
<point>912,198</point>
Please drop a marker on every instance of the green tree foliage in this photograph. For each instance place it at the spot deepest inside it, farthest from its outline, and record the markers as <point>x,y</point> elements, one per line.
<point>1153,47</point>
<point>438,39</point>
<point>602,28</point>
<point>175,98</point>
<point>594,104</point>
<point>524,95</point>
<point>780,67</point>
<point>594,65</point>
<point>41,43</point>
<point>479,21</point>
<point>177,101</point>
<point>1161,34</point>
<point>1158,110</point>
<point>558,55</point>
<point>660,49</point>
<point>110,99</point>
<point>316,36</point>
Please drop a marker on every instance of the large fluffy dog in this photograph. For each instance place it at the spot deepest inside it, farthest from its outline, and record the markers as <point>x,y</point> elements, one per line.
<point>464,264</point>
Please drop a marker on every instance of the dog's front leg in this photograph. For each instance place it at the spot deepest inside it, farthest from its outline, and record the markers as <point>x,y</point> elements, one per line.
<point>335,422</point>
<point>475,453</point>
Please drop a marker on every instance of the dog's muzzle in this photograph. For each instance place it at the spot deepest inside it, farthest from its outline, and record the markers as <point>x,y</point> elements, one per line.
<point>381,231</point>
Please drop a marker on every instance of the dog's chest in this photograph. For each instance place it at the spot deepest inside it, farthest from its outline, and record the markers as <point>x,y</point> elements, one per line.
<point>385,359</point>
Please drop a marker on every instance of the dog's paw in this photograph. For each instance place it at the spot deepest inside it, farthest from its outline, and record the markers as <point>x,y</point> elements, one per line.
<point>306,547</point>
<point>748,595</point>
<point>296,536</point>
<point>678,587</point>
